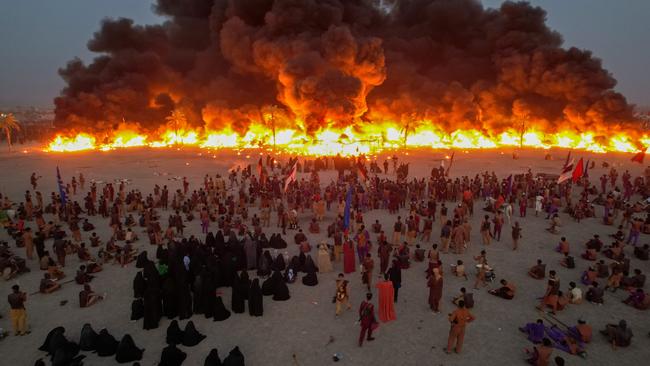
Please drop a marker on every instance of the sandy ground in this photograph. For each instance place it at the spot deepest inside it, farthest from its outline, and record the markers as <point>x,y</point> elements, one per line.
<point>303,325</point>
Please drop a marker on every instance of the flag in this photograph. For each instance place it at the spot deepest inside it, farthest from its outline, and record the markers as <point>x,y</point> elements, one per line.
<point>362,170</point>
<point>638,157</point>
<point>292,175</point>
<point>346,212</point>
<point>451,161</point>
<point>59,181</point>
<point>567,169</point>
<point>578,172</point>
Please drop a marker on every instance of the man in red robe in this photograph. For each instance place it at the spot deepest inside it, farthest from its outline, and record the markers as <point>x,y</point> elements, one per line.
<point>386,297</point>
<point>367,319</point>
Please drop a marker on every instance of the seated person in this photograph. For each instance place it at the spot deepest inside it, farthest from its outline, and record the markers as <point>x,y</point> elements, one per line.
<point>458,269</point>
<point>562,246</point>
<point>589,276</point>
<point>314,228</point>
<point>595,243</point>
<point>94,240</point>
<point>534,331</point>
<point>619,235</point>
<point>636,281</point>
<point>130,236</point>
<point>48,285</point>
<point>595,294</point>
<point>614,251</point>
<point>87,297</point>
<point>638,299</point>
<point>575,294</point>
<point>87,226</point>
<point>642,252</point>
<point>538,271</point>
<point>618,335</point>
<point>299,237</point>
<point>602,269</point>
<point>582,331</point>
<point>541,354</point>
<point>111,247</point>
<point>467,297</point>
<point>565,340</point>
<point>82,276</point>
<point>83,253</point>
<point>130,221</point>
<point>614,280</point>
<point>45,261</point>
<point>506,291</point>
<point>589,254</point>
<point>568,262</point>
<point>418,255</point>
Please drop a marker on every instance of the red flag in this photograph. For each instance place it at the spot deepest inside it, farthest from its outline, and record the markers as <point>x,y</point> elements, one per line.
<point>638,157</point>
<point>578,172</point>
<point>292,175</point>
<point>566,169</point>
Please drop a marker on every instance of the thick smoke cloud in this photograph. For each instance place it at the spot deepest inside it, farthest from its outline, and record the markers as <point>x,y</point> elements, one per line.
<point>449,63</point>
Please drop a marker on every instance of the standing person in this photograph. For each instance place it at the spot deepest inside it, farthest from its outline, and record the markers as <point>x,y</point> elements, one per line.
<point>395,275</point>
<point>498,225</point>
<point>368,266</point>
<point>386,300</point>
<point>445,234</point>
<point>384,256</point>
<point>342,296</point>
<point>458,319</point>
<point>397,231</point>
<point>435,290</point>
<point>485,230</point>
<point>516,235</point>
<point>348,257</point>
<point>367,319</point>
<point>205,221</point>
<point>18,313</point>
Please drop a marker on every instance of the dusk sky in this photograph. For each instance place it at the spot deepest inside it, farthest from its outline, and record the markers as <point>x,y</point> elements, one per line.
<point>38,37</point>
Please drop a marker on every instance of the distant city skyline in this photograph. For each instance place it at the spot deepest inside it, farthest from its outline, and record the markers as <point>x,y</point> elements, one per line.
<point>39,37</point>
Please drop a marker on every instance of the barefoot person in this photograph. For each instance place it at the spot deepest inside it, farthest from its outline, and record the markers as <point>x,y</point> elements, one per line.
<point>18,313</point>
<point>458,319</point>
<point>367,319</point>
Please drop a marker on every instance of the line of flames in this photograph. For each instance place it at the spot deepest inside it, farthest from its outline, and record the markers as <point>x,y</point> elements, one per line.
<point>345,141</point>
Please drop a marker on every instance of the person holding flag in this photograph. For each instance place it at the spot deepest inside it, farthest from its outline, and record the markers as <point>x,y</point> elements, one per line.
<point>62,195</point>
<point>292,175</point>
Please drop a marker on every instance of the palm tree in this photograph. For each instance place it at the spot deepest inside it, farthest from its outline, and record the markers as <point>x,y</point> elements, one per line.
<point>177,119</point>
<point>9,123</point>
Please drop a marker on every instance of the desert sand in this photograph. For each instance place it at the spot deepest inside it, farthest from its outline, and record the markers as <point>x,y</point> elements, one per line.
<point>303,325</point>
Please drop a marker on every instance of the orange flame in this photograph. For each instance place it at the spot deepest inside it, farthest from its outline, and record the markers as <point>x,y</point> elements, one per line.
<point>348,141</point>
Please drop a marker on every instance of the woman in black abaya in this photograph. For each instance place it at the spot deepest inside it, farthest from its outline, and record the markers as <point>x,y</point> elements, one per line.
<point>255,299</point>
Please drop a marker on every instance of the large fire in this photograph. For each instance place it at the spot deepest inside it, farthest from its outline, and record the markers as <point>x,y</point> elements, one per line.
<point>346,141</point>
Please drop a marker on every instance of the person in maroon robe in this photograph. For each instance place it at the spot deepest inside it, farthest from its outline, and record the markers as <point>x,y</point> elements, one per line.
<point>367,319</point>
<point>348,257</point>
<point>435,290</point>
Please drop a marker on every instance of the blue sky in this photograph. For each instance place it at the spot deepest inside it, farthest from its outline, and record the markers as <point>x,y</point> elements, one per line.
<point>39,36</point>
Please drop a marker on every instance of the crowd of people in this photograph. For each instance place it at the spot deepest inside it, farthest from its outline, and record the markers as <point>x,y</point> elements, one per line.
<point>237,212</point>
